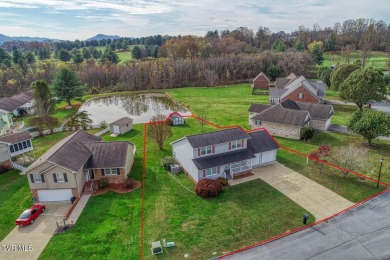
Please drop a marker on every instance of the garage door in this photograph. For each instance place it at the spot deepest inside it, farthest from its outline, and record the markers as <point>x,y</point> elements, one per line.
<point>55,195</point>
<point>268,156</point>
<point>257,160</point>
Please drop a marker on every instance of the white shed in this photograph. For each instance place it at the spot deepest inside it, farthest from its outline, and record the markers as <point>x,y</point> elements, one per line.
<point>121,126</point>
<point>176,119</point>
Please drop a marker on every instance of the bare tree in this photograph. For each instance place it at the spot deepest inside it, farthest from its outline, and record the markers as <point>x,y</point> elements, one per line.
<point>350,157</point>
<point>158,130</point>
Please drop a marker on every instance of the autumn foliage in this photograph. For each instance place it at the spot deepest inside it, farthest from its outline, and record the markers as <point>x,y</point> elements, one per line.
<point>208,188</point>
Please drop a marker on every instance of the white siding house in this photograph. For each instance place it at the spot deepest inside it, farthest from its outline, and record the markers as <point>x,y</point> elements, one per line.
<point>225,153</point>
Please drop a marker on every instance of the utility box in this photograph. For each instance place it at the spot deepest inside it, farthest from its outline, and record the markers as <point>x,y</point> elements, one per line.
<point>156,248</point>
<point>175,168</point>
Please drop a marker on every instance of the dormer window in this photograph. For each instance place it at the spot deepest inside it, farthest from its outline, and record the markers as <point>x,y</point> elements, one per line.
<point>236,144</point>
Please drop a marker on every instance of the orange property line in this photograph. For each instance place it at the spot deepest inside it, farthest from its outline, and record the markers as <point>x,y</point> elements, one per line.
<point>281,146</point>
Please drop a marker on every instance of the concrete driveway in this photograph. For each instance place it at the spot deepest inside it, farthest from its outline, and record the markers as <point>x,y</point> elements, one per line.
<point>28,242</point>
<point>315,198</point>
<point>360,233</point>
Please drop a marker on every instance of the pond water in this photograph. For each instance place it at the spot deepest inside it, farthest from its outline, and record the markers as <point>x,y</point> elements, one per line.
<point>140,107</point>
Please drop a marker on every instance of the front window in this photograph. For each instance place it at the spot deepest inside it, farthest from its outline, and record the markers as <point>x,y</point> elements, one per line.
<point>257,122</point>
<point>236,144</point>
<point>60,177</point>
<point>112,171</point>
<point>300,95</point>
<point>37,178</point>
<point>211,171</point>
<point>205,150</point>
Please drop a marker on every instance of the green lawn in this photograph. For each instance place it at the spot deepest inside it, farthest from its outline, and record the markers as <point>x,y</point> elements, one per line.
<point>15,197</point>
<point>377,59</point>
<point>241,215</point>
<point>342,114</point>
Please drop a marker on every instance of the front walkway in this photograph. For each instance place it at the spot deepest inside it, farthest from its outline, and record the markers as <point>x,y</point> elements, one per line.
<point>74,216</point>
<point>315,198</point>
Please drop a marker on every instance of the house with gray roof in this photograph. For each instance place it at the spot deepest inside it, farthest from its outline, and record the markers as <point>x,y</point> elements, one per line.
<point>61,172</point>
<point>287,118</point>
<point>14,145</point>
<point>297,89</point>
<point>226,153</point>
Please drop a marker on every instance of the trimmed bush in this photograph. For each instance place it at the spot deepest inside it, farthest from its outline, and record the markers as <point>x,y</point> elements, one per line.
<point>103,183</point>
<point>307,133</point>
<point>224,182</point>
<point>208,188</point>
<point>130,183</point>
<point>167,162</point>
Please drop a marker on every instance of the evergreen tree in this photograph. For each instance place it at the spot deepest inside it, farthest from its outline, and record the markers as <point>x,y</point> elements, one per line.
<point>136,52</point>
<point>66,85</point>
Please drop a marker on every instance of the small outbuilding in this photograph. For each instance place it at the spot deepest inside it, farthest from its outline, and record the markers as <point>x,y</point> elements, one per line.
<point>121,126</point>
<point>176,119</point>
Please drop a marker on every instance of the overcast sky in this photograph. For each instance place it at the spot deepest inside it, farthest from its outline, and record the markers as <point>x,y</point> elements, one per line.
<point>81,19</point>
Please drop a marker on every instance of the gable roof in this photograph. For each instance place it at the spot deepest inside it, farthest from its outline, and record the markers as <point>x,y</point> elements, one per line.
<point>281,82</point>
<point>296,83</point>
<point>289,104</point>
<point>278,114</point>
<point>319,111</point>
<point>69,153</point>
<point>262,74</point>
<point>11,103</point>
<point>291,76</point>
<point>276,92</point>
<point>257,108</point>
<point>261,141</point>
<point>222,158</point>
<point>107,154</point>
<point>217,137</point>
<point>122,121</point>
<point>16,138</point>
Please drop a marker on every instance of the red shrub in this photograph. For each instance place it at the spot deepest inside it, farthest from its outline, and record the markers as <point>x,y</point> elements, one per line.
<point>208,188</point>
<point>224,182</point>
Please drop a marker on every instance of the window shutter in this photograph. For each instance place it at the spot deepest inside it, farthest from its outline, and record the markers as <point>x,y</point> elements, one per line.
<point>55,177</point>
<point>230,145</point>
<point>198,151</point>
<point>118,172</point>
<point>218,169</point>
<point>43,178</point>
<point>242,143</point>
<point>213,149</point>
<point>204,173</point>
<point>32,178</point>
<point>65,177</point>
<point>102,172</point>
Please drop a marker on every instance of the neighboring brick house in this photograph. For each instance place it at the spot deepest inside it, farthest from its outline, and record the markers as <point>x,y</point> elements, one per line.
<point>60,173</point>
<point>261,82</point>
<point>287,118</point>
<point>225,153</point>
<point>14,145</point>
<point>297,89</point>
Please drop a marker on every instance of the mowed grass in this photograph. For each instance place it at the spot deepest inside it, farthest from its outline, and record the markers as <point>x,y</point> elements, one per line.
<point>343,114</point>
<point>377,59</point>
<point>109,226</point>
<point>15,197</point>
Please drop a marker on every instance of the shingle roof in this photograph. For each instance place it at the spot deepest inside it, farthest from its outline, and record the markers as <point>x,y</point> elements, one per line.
<point>281,82</point>
<point>276,92</point>
<point>223,158</point>
<point>261,74</point>
<point>280,115</point>
<point>217,137</point>
<point>16,138</point>
<point>257,108</point>
<point>318,111</point>
<point>11,103</point>
<point>261,141</point>
<point>107,154</point>
<point>69,153</point>
<point>122,121</point>
<point>289,104</point>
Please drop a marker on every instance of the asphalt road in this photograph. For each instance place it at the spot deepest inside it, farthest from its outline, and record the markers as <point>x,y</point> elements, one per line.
<point>361,233</point>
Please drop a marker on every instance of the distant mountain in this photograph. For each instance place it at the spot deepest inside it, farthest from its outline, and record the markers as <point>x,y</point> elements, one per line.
<point>5,38</point>
<point>99,37</point>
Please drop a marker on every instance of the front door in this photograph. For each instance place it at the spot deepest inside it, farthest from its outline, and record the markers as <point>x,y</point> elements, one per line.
<point>91,174</point>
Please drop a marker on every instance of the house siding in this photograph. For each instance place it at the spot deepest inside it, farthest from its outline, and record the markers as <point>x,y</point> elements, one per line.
<point>183,153</point>
<point>49,179</point>
<point>320,124</point>
<point>122,129</point>
<point>4,155</point>
<point>261,83</point>
<point>218,148</point>
<point>129,158</point>
<point>308,97</point>
<point>215,176</point>
<point>115,179</point>
<point>288,131</point>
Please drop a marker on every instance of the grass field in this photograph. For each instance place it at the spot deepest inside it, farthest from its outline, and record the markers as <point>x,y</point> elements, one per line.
<point>15,197</point>
<point>376,60</point>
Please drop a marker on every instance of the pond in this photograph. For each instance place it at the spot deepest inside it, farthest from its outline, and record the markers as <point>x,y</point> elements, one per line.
<point>140,107</point>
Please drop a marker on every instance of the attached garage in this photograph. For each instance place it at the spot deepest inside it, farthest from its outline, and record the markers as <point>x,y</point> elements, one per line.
<point>55,195</point>
<point>268,156</point>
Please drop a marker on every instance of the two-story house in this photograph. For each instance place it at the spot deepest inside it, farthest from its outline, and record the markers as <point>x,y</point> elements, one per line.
<point>225,153</point>
<point>60,173</point>
<point>297,89</point>
<point>287,118</point>
<point>14,145</point>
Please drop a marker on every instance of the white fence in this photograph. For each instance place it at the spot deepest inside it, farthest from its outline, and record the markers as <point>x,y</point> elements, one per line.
<point>20,168</point>
<point>59,129</point>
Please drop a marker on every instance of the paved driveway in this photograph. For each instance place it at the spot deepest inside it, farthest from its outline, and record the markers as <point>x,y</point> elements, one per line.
<point>313,197</point>
<point>34,238</point>
<point>360,233</point>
